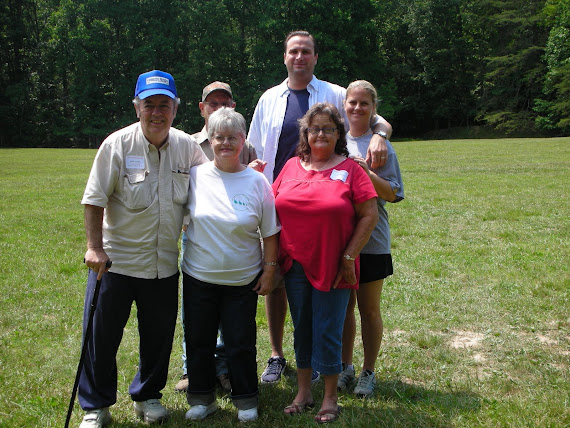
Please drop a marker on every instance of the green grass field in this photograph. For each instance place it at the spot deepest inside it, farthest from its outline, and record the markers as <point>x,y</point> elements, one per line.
<point>476,316</point>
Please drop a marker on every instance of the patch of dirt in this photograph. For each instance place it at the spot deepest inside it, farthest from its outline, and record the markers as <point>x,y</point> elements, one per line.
<point>466,339</point>
<point>546,340</point>
<point>413,382</point>
<point>478,358</point>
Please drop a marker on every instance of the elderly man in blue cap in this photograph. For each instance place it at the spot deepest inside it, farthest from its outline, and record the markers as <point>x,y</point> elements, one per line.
<point>134,205</point>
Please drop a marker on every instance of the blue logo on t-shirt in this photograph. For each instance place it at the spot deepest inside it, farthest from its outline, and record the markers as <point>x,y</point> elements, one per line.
<point>241,202</point>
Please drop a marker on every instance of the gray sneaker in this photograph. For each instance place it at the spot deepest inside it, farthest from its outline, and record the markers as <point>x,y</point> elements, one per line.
<point>366,384</point>
<point>345,378</point>
<point>150,411</point>
<point>97,418</point>
<point>274,369</point>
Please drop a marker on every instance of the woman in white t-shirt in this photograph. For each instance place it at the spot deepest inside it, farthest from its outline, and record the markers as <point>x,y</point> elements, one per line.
<point>230,207</point>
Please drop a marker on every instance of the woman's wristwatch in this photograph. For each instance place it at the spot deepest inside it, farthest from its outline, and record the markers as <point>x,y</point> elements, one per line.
<point>348,257</point>
<point>381,133</point>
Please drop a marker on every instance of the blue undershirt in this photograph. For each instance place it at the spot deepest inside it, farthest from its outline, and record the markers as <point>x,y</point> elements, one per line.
<point>297,106</point>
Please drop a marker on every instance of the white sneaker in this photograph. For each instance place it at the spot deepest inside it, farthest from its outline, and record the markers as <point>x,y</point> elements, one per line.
<point>150,410</point>
<point>200,411</point>
<point>247,415</point>
<point>97,418</point>
<point>366,384</point>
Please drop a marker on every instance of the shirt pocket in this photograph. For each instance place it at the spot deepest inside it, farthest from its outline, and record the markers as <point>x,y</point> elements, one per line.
<point>180,182</point>
<point>136,189</point>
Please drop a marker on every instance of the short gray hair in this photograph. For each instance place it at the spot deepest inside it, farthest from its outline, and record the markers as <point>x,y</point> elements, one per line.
<point>226,119</point>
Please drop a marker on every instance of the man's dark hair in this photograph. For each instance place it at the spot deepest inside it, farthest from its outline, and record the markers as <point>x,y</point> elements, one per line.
<point>301,33</point>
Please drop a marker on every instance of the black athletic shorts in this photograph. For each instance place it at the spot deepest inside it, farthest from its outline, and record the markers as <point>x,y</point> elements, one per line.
<point>374,267</point>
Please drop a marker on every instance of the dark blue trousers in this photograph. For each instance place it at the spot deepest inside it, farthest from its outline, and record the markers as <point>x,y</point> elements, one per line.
<point>207,306</point>
<point>157,306</point>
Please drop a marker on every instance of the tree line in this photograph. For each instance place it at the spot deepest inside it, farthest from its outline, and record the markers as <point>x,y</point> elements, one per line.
<point>69,67</point>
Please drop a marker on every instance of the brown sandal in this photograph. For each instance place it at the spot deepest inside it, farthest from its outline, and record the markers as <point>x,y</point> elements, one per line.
<point>330,414</point>
<point>296,409</point>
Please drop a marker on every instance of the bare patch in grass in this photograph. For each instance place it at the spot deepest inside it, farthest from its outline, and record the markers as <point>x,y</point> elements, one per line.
<point>413,382</point>
<point>478,358</point>
<point>546,340</point>
<point>466,339</point>
<point>553,338</point>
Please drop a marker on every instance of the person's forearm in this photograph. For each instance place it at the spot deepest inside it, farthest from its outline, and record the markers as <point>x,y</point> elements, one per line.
<point>378,123</point>
<point>267,280</point>
<point>93,220</point>
<point>362,232</point>
<point>270,249</point>
<point>364,227</point>
<point>382,187</point>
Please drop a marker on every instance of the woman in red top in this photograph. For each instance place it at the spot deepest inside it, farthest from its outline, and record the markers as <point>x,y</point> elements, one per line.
<point>327,207</point>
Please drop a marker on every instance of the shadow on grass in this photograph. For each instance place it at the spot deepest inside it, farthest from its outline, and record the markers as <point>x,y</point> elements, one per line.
<point>407,404</point>
<point>395,404</point>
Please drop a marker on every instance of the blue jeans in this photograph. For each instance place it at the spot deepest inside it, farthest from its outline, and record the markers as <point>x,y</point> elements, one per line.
<point>220,355</point>
<point>318,318</point>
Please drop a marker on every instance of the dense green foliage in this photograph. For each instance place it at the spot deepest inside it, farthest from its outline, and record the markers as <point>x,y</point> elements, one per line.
<point>69,66</point>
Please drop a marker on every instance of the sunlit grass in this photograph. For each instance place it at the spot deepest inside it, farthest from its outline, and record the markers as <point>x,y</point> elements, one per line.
<point>476,315</point>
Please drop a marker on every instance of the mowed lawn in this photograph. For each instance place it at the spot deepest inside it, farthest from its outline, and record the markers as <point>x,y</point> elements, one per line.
<point>476,316</point>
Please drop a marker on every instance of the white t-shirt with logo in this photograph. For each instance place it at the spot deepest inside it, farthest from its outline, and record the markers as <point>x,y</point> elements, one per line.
<point>228,214</point>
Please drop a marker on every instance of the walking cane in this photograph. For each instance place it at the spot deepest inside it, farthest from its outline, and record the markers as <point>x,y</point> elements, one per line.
<point>86,339</point>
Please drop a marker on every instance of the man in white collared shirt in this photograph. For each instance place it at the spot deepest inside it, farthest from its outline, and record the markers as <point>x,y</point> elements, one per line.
<point>134,204</point>
<point>274,134</point>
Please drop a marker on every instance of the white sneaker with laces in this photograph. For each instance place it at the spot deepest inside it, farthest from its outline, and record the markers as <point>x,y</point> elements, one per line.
<point>200,411</point>
<point>97,418</point>
<point>150,411</point>
<point>247,415</point>
<point>366,384</point>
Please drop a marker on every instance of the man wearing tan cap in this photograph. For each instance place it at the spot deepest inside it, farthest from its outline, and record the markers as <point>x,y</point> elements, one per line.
<point>214,96</point>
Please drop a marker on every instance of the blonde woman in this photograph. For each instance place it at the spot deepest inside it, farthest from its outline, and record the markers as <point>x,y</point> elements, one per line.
<point>375,258</point>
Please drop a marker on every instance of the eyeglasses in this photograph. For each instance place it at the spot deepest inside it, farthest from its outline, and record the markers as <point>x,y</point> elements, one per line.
<point>215,104</point>
<point>221,139</point>
<point>317,131</point>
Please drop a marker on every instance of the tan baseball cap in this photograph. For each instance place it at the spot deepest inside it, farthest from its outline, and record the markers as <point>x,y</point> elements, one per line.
<point>216,86</point>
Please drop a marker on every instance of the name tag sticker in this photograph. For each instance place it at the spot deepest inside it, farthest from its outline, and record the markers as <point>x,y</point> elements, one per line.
<point>341,175</point>
<point>135,162</point>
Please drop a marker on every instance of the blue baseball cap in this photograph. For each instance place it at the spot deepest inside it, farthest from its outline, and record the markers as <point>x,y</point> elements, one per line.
<point>155,82</point>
